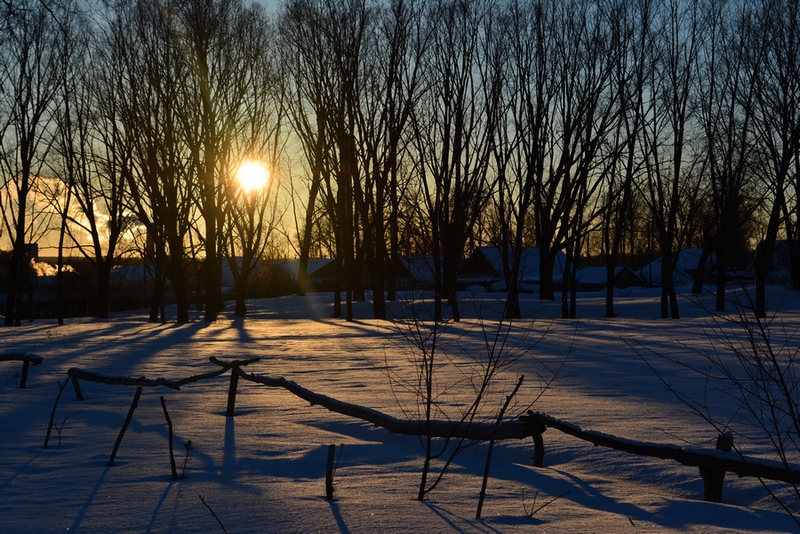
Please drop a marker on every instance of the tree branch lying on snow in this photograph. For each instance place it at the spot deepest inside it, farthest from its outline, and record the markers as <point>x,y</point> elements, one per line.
<point>446,429</point>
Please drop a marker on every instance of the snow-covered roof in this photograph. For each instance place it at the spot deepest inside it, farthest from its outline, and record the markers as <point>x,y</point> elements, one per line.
<point>529,262</point>
<point>596,275</point>
<point>419,267</point>
<point>688,261</point>
<point>293,266</point>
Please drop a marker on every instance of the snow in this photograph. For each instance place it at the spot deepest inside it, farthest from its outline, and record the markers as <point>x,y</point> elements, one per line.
<point>264,469</point>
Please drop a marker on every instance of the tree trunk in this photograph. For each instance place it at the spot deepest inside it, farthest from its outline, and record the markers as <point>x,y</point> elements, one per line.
<point>763,260</point>
<point>103,301</point>
<point>546,263</point>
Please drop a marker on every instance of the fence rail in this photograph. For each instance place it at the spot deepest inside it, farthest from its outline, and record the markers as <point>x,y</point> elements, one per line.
<point>712,463</point>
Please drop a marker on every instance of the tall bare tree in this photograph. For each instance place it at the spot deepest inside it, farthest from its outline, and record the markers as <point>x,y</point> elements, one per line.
<point>521,149</point>
<point>95,154</point>
<point>631,24</point>
<point>152,102</point>
<point>313,89</point>
<point>454,128</point>
<point>725,106</point>
<point>221,46</point>
<point>671,182</point>
<point>774,65</point>
<point>30,76</point>
<point>390,82</point>
<point>250,214</point>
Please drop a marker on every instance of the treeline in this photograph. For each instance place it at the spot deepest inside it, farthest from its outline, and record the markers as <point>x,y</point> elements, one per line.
<point>395,127</point>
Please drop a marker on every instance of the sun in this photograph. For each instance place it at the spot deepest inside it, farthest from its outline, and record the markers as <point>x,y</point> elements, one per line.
<point>252,176</point>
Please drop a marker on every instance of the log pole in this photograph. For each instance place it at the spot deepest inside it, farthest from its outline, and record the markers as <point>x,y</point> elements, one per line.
<point>53,413</point>
<point>713,479</point>
<point>76,385</point>
<point>27,361</point>
<point>329,473</point>
<point>538,450</point>
<point>25,364</point>
<point>232,391</point>
<point>171,451</point>
<point>128,418</point>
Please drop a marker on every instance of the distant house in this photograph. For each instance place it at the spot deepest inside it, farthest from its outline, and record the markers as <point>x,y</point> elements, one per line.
<point>136,277</point>
<point>292,267</point>
<point>780,267</point>
<point>685,269</point>
<point>415,271</point>
<point>320,273</point>
<point>485,267</point>
<point>594,278</point>
<point>781,260</point>
<point>227,281</point>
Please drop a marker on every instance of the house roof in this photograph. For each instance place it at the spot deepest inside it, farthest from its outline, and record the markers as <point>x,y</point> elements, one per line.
<point>529,263</point>
<point>293,266</point>
<point>419,267</point>
<point>687,262</point>
<point>597,275</point>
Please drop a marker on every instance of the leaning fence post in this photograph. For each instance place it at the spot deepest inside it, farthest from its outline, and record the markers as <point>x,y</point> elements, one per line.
<point>171,452</point>
<point>76,385</point>
<point>25,364</point>
<point>132,409</point>
<point>713,479</point>
<point>232,391</point>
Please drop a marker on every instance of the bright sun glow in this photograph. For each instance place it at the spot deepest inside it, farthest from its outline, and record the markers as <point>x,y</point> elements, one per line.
<point>252,176</point>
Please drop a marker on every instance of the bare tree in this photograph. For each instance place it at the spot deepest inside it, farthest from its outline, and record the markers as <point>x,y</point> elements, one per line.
<point>521,148</point>
<point>631,25</point>
<point>151,106</point>
<point>250,215</point>
<point>587,113</point>
<point>432,348</point>
<point>751,364</point>
<point>390,80</point>
<point>313,102</point>
<point>95,154</point>
<point>671,185</point>
<point>773,31</point>
<point>305,81</point>
<point>31,78</point>
<point>726,95</point>
<point>222,39</point>
<point>454,129</point>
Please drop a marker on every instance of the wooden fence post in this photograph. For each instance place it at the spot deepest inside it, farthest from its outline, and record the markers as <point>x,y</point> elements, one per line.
<point>329,473</point>
<point>26,359</point>
<point>134,404</point>
<point>76,385</point>
<point>232,391</point>
<point>171,451</point>
<point>25,364</point>
<point>713,479</point>
<point>538,450</point>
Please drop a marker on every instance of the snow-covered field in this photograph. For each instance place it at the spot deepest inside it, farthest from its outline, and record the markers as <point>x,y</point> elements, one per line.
<point>264,469</point>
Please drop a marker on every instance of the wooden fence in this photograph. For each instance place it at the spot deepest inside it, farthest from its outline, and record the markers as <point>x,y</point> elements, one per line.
<point>26,359</point>
<point>712,463</point>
